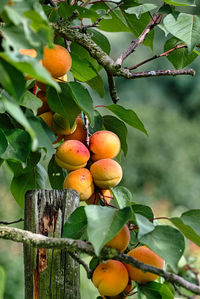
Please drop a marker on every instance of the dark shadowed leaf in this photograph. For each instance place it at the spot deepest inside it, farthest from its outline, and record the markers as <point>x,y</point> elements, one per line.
<point>3,142</point>
<point>155,290</point>
<point>56,174</point>
<point>143,210</point>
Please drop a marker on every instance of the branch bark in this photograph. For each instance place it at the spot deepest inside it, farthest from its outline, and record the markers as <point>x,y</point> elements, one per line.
<point>72,246</point>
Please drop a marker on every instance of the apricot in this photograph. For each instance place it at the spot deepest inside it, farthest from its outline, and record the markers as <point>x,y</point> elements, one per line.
<point>106,173</point>
<point>72,154</point>
<point>146,256</point>
<point>121,240</point>
<point>47,118</point>
<point>57,60</point>
<point>79,134</point>
<point>62,125</point>
<point>104,144</point>
<point>110,278</point>
<point>28,52</point>
<point>105,195</point>
<point>81,181</point>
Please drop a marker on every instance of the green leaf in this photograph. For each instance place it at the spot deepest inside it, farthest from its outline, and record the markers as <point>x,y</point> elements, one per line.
<point>2,4</point>
<point>104,223</point>
<point>2,282</point>
<point>97,84</point>
<point>30,66</point>
<point>44,134</point>
<point>137,26</point>
<point>139,10</point>
<point>116,21</point>
<point>144,225</point>
<point>63,103</point>
<point>83,99</point>
<point>100,39</point>
<point>3,142</point>
<point>35,179</point>
<point>167,242</point>
<point>122,196</point>
<point>128,116</point>
<point>11,79</point>
<point>185,27</point>
<point>56,174</point>
<point>65,10</point>
<point>181,2</point>
<point>19,145</point>
<point>76,224</point>
<point>29,100</point>
<point>18,168</point>
<point>143,210</point>
<point>189,225</point>
<point>180,57</point>
<point>117,126</point>
<point>15,111</point>
<point>155,290</point>
<point>98,123</point>
<point>81,69</point>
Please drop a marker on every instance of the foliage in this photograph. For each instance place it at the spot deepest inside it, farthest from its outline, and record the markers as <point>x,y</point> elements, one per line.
<point>26,141</point>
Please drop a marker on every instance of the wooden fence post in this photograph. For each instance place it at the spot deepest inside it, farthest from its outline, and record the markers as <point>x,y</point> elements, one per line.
<point>50,273</point>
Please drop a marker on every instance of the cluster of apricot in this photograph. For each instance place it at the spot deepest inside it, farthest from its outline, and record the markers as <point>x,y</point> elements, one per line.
<point>113,278</point>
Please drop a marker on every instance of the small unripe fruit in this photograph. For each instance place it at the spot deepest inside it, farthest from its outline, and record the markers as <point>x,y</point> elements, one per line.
<point>104,144</point>
<point>62,125</point>
<point>146,256</point>
<point>81,181</point>
<point>121,240</point>
<point>72,155</point>
<point>106,173</point>
<point>110,278</point>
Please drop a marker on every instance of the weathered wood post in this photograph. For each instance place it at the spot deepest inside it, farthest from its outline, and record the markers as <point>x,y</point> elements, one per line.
<point>49,273</point>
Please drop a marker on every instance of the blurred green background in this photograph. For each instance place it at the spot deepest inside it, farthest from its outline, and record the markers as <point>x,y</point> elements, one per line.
<point>162,170</point>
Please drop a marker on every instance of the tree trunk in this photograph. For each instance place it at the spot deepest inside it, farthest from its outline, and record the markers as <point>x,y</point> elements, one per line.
<point>50,273</point>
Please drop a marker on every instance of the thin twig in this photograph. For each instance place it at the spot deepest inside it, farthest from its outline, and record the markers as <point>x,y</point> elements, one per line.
<point>77,258</point>
<point>108,11</point>
<point>11,222</point>
<point>87,125</point>
<point>156,19</point>
<point>112,88</point>
<point>157,56</point>
<point>70,245</point>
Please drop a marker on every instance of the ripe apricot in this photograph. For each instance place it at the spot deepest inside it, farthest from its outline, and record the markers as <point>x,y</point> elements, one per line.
<point>81,181</point>
<point>104,144</point>
<point>57,60</point>
<point>28,52</point>
<point>79,134</point>
<point>62,125</point>
<point>121,240</point>
<point>106,173</point>
<point>110,278</point>
<point>146,256</point>
<point>72,154</point>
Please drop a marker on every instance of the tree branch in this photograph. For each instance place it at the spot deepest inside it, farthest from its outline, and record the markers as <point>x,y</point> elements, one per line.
<point>72,246</point>
<point>156,19</point>
<point>157,56</point>
<point>77,258</point>
<point>105,60</point>
<point>112,88</point>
